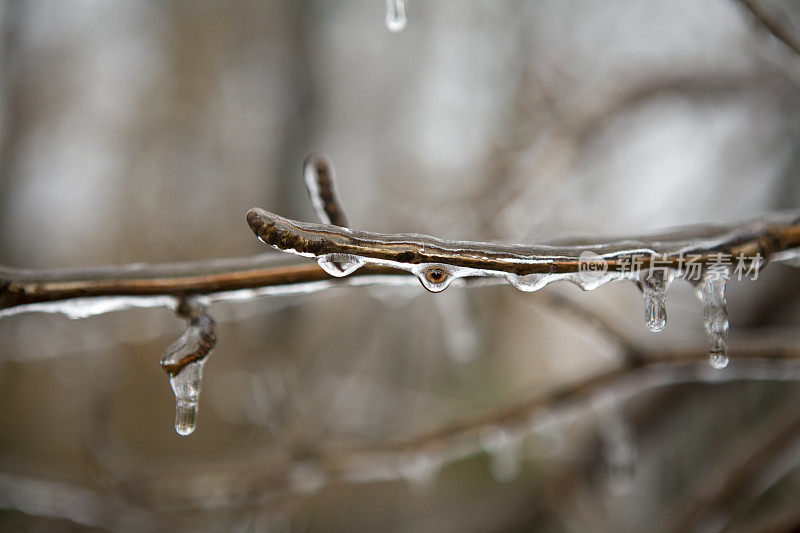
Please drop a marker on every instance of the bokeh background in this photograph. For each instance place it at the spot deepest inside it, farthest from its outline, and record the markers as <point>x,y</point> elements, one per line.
<point>144,130</point>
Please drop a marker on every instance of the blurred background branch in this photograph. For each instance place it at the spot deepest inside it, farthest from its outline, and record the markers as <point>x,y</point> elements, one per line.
<point>140,132</point>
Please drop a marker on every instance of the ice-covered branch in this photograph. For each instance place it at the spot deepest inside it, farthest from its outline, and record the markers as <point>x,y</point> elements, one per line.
<point>702,255</point>
<point>79,293</point>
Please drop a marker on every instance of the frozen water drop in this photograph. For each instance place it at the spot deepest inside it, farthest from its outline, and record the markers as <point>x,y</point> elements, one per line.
<point>340,265</point>
<point>715,317</point>
<point>186,387</point>
<point>396,15</point>
<point>435,278</point>
<point>530,282</point>
<point>719,360</point>
<point>654,287</point>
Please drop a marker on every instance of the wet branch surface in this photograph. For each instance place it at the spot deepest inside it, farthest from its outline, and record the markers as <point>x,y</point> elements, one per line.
<point>24,287</point>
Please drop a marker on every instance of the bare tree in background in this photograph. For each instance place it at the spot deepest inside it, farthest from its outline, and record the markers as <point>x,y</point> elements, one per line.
<point>143,131</point>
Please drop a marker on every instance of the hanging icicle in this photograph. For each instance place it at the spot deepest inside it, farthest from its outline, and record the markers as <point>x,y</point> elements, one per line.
<point>183,361</point>
<point>396,15</point>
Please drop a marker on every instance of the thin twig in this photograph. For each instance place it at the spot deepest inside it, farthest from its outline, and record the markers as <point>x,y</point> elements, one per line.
<point>743,478</point>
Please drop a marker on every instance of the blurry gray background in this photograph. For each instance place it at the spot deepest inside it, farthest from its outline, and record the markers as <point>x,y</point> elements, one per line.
<point>144,130</point>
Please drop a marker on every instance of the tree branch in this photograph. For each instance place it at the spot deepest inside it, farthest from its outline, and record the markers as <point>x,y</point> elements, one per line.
<point>298,473</point>
<point>48,290</point>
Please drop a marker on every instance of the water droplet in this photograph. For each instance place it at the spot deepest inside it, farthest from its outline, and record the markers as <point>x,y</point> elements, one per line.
<point>340,265</point>
<point>654,285</point>
<point>186,387</point>
<point>715,317</point>
<point>435,278</point>
<point>719,359</point>
<point>396,15</point>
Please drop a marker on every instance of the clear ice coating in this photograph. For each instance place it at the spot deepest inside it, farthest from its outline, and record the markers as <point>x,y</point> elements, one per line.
<point>654,285</point>
<point>186,386</point>
<point>435,278</point>
<point>531,282</point>
<point>340,265</point>
<point>715,316</point>
<point>396,15</point>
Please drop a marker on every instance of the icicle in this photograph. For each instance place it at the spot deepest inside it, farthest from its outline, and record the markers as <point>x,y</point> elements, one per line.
<point>505,453</point>
<point>435,278</point>
<point>654,285</point>
<point>340,265</point>
<point>396,15</point>
<point>715,317</point>
<point>183,360</point>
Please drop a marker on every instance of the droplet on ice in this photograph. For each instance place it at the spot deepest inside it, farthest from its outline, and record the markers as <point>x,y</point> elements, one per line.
<point>435,278</point>
<point>396,15</point>
<point>340,265</point>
